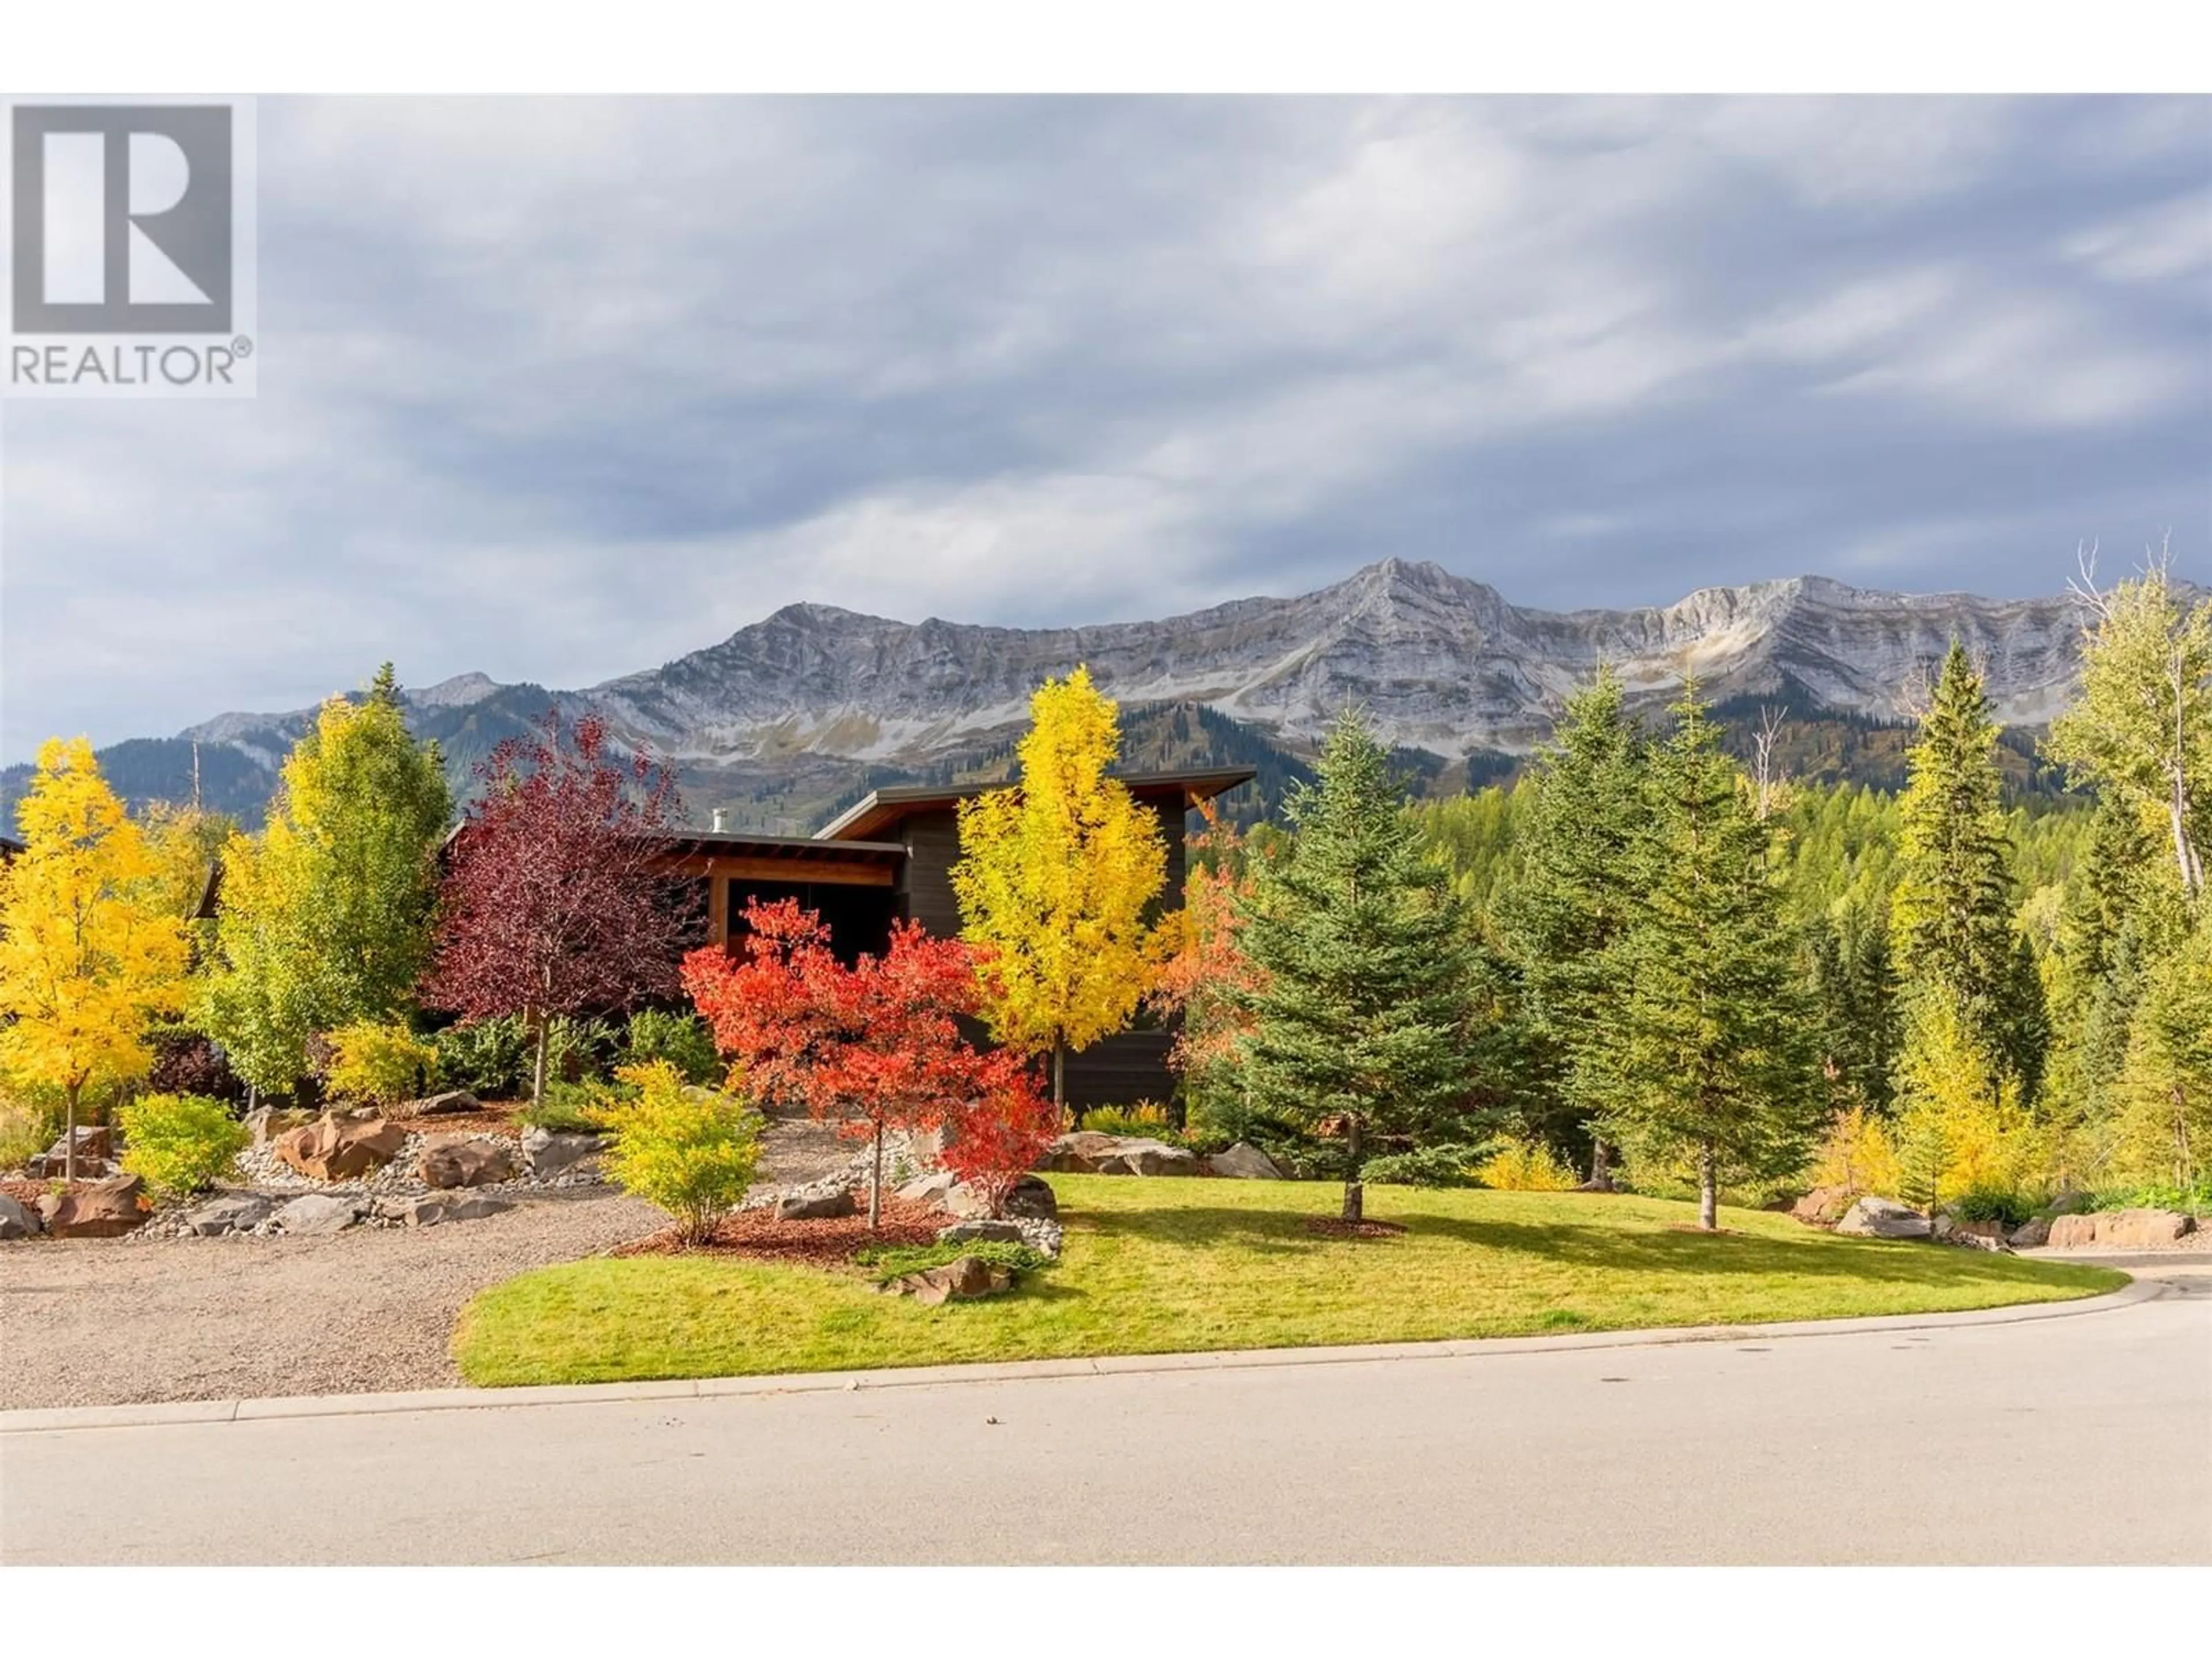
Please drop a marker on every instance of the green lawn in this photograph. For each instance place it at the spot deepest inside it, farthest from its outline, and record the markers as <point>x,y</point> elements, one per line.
<point>1156,1266</point>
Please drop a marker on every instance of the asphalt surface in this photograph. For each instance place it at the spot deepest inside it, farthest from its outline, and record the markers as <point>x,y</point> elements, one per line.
<point>2085,1439</point>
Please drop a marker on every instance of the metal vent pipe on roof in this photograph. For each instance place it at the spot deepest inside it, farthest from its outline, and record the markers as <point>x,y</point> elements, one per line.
<point>721,817</point>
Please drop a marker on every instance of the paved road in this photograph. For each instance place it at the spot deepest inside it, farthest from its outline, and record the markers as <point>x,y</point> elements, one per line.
<point>2080,1439</point>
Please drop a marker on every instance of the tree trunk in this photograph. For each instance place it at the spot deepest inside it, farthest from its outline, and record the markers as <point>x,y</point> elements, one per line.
<point>1709,1192</point>
<point>1060,1078</point>
<point>537,1061</point>
<point>876,1183</point>
<point>68,1133</point>
<point>1600,1166</point>
<point>1355,1195</point>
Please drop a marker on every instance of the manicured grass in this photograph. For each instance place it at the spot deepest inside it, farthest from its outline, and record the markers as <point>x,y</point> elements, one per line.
<point>1157,1265</point>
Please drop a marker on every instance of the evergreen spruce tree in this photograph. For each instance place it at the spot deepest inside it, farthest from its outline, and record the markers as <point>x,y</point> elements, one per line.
<point>1365,960</point>
<point>1714,1062</point>
<point>1574,896</point>
<point>1952,908</point>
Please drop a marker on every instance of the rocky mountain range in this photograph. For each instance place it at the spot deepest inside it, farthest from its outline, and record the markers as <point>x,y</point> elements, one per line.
<point>794,715</point>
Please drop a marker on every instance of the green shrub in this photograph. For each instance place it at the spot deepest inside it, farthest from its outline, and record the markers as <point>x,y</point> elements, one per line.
<point>2192,1200</point>
<point>379,1064</point>
<point>27,1129</point>
<point>890,1261</point>
<point>577,1051</point>
<point>1147,1119</point>
<point>179,1143</point>
<point>489,1058</point>
<point>575,1108</point>
<point>2007,1209</point>
<point>692,1152</point>
<point>682,1040</point>
<point>1447,1165</point>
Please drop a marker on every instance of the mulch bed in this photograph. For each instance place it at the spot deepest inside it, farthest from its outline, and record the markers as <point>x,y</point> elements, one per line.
<point>1337,1227</point>
<point>757,1235</point>
<point>25,1193</point>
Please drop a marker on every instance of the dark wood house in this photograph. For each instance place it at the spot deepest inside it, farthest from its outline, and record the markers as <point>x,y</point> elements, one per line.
<point>891,858</point>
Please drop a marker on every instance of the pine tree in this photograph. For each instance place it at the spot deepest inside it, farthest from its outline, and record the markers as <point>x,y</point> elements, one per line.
<point>2165,1127</point>
<point>1575,894</point>
<point>1360,1011</point>
<point>1951,913</point>
<point>1713,1062</point>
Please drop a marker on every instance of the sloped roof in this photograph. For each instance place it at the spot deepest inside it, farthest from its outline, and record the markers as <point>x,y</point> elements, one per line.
<point>883,808</point>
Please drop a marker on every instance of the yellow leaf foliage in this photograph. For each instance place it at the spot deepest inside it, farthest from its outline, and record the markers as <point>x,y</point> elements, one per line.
<point>85,961</point>
<point>1054,877</point>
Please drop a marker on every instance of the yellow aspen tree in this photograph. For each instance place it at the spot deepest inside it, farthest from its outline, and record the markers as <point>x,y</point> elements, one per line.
<point>86,962</point>
<point>1053,879</point>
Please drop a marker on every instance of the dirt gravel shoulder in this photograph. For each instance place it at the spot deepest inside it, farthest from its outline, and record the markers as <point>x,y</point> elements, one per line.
<point>115,1321</point>
<point>109,1321</point>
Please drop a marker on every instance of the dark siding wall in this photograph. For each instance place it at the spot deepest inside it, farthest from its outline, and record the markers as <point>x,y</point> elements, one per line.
<point>1122,1070</point>
<point>932,840</point>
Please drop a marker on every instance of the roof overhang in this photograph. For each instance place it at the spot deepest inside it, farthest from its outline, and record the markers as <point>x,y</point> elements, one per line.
<point>883,810</point>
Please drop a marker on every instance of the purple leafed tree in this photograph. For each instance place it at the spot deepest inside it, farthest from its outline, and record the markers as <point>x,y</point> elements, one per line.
<point>551,903</point>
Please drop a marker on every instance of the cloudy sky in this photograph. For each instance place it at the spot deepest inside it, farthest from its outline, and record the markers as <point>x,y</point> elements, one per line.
<point>560,390</point>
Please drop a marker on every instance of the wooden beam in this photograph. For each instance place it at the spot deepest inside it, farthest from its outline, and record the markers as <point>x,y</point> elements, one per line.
<point>718,912</point>
<point>836,872</point>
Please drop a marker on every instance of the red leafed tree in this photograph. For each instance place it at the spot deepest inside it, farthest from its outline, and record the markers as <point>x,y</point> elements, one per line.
<point>998,1135</point>
<point>551,903</point>
<point>872,1047</point>
<point>1199,983</point>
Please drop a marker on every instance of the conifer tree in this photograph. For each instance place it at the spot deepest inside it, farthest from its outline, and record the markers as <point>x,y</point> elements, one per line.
<point>1359,1009</point>
<point>1575,894</point>
<point>1714,1063</point>
<point>1951,913</point>
<point>2165,1125</point>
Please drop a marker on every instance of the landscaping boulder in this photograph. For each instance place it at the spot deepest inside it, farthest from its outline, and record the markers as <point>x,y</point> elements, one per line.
<point>319,1212</point>
<point>1086,1152</point>
<point>428,1211</point>
<point>968,1277</point>
<point>441,1105</point>
<point>457,1162</point>
<point>334,1148</point>
<point>15,1221</point>
<point>1244,1161</point>
<point>824,1200</point>
<point>935,1188</point>
<point>261,1124</point>
<point>102,1209</point>
<point>2031,1234</point>
<point>2141,1229</point>
<point>95,1154</point>
<point>2072,1232</point>
<point>549,1154</point>
<point>1033,1198</point>
<point>1883,1218</point>
<point>1824,1207</point>
<point>233,1212</point>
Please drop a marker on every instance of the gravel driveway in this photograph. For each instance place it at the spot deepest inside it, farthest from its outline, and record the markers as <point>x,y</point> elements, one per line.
<point>112,1322</point>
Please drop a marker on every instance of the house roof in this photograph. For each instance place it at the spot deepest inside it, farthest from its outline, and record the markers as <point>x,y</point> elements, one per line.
<point>9,846</point>
<point>883,808</point>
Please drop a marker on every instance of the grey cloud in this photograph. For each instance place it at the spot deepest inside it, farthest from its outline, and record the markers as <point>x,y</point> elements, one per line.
<point>559,390</point>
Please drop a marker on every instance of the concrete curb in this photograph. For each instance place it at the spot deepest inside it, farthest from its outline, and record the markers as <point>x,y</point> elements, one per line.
<point>52,1421</point>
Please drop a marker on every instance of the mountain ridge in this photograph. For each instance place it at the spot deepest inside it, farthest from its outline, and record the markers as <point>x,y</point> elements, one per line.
<point>810,705</point>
